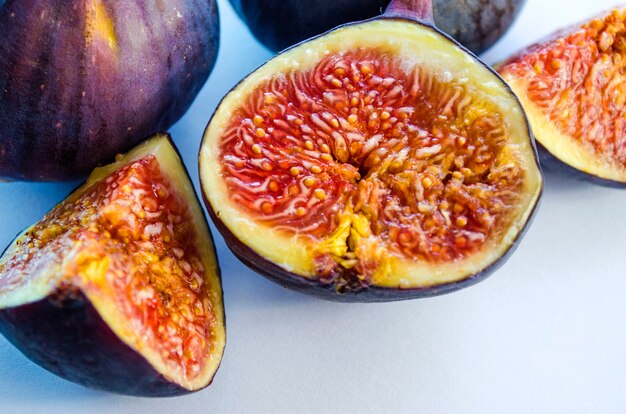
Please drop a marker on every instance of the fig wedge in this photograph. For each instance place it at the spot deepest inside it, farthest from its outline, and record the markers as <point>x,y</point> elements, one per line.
<point>379,161</point>
<point>118,287</point>
<point>573,88</point>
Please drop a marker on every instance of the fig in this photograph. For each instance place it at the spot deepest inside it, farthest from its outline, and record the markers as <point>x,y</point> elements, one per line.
<point>118,287</point>
<point>573,88</point>
<point>277,24</point>
<point>380,161</point>
<point>80,84</point>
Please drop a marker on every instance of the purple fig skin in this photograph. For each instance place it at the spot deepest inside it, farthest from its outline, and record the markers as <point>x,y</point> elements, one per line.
<point>353,291</point>
<point>64,334</point>
<point>551,162</point>
<point>72,96</point>
<point>277,24</point>
<point>357,292</point>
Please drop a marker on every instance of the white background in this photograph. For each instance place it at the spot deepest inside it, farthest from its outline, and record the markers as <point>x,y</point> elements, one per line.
<point>545,334</point>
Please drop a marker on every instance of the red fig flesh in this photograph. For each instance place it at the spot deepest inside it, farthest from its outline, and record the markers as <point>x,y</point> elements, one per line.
<point>118,286</point>
<point>379,161</point>
<point>572,87</point>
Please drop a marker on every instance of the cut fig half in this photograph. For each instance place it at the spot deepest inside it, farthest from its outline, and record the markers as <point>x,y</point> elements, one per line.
<point>118,287</point>
<point>573,88</point>
<point>379,161</point>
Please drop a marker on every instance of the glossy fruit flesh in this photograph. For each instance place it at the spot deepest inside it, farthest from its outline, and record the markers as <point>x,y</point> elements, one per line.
<point>128,242</point>
<point>372,165</point>
<point>574,89</point>
<point>356,138</point>
<point>135,245</point>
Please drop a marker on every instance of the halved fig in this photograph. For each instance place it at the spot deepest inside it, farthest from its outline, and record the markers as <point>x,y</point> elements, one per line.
<point>573,88</point>
<point>380,161</point>
<point>118,286</point>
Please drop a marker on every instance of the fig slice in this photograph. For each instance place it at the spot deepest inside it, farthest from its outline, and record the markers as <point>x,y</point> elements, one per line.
<point>380,161</point>
<point>118,286</point>
<point>573,88</point>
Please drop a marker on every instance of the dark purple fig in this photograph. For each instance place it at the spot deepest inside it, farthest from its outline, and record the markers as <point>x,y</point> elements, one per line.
<point>572,88</point>
<point>118,287</point>
<point>379,161</point>
<point>476,24</point>
<point>82,81</point>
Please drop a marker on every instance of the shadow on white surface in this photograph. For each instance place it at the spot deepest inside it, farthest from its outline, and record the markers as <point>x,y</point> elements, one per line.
<point>559,183</point>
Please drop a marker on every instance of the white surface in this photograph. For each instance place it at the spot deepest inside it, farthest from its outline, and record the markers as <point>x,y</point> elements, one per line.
<point>545,334</point>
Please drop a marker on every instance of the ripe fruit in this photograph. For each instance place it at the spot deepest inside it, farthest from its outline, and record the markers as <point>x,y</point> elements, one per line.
<point>277,24</point>
<point>573,88</point>
<point>84,81</point>
<point>379,161</point>
<point>118,287</point>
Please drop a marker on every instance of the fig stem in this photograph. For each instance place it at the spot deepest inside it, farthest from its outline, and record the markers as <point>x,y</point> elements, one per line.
<point>421,10</point>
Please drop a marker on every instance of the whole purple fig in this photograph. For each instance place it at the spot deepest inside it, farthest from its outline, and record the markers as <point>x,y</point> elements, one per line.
<point>476,24</point>
<point>82,81</point>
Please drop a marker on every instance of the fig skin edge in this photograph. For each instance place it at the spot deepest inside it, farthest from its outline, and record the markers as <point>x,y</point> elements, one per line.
<point>551,162</point>
<point>81,342</point>
<point>417,12</point>
<point>77,340</point>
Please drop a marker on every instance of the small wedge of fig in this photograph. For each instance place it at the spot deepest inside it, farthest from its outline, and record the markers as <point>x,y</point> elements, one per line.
<point>477,24</point>
<point>573,88</point>
<point>118,286</point>
<point>380,161</point>
<point>82,81</point>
